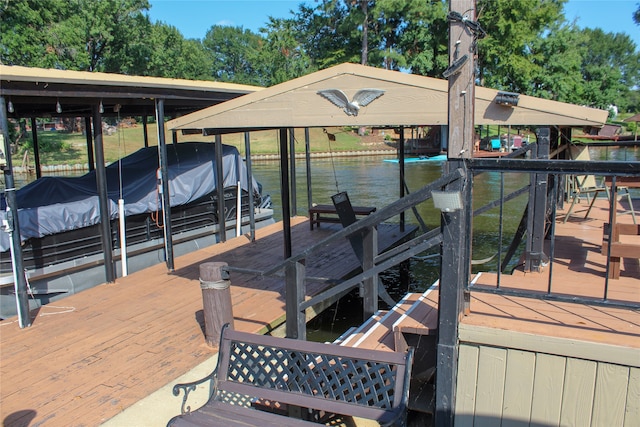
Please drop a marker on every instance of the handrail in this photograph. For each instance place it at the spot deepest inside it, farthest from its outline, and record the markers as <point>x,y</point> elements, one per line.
<point>374,219</point>
<point>579,167</point>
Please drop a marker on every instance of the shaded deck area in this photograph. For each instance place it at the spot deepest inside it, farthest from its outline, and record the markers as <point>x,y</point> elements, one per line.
<point>91,355</point>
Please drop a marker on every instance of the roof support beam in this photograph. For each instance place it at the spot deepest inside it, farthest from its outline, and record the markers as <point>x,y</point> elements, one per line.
<point>164,182</point>
<point>222,220</point>
<point>103,199</point>
<point>22,301</point>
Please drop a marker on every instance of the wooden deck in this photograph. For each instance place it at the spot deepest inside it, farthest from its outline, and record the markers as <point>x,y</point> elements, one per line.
<point>93,354</point>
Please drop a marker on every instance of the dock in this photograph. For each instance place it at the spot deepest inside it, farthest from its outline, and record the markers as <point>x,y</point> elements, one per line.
<point>88,357</point>
<point>94,354</point>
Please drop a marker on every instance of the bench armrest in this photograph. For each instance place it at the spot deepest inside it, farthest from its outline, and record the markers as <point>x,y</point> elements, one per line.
<point>189,387</point>
<point>212,377</point>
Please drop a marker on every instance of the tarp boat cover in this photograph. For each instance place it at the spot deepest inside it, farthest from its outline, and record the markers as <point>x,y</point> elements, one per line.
<point>53,205</point>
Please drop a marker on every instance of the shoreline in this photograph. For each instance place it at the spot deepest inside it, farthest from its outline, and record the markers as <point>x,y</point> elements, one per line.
<point>47,169</point>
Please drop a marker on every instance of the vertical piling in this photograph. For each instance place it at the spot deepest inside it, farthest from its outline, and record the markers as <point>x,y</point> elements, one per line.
<point>216,300</point>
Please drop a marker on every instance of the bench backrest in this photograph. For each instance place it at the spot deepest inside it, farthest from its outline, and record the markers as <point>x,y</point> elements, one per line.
<point>343,380</point>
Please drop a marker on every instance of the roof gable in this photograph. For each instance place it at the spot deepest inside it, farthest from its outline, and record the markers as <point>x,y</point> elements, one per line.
<point>407,100</point>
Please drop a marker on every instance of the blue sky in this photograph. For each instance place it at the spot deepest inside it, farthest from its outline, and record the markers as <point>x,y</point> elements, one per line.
<point>194,17</point>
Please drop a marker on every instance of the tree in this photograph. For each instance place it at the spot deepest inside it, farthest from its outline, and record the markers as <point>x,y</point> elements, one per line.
<point>506,58</point>
<point>327,35</point>
<point>233,51</point>
<point>425,40</point>
<point>171,55</point>
<point>90,35</point>
<point>114,33</point>
<point>27,36</point>
<point>282,57</point>
<point>557,73</point>
<point>609,68</point>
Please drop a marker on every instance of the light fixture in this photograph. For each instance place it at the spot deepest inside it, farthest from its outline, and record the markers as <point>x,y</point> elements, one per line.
<point>447,201</point>
<point>10,107</point>
<point>58,107</point>
<point>455,66</point>
<point>509,99</point>
<point>101,108</point>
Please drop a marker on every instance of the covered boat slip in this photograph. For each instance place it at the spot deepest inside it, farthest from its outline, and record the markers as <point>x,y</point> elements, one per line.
<point>60,216</point>
<point>90,356</point>
<point>35,93</point>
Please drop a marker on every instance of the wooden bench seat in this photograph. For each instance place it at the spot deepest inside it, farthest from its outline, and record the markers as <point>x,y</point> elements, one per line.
<point>620,248</point>
<point>306,378</point>
<point>327,213</point>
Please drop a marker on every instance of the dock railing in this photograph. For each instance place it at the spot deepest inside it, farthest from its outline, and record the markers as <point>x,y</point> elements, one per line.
<point>548,176</point>
<point>555,173</point>
<point>293,269</point>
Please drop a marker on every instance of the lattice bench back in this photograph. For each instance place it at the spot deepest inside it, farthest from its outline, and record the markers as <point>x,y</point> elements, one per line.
<point>342,380</point>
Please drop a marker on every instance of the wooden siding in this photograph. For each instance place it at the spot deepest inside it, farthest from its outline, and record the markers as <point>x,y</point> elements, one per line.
<point>519,385</point>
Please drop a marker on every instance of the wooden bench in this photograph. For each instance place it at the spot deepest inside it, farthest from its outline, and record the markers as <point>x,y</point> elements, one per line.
<point>620,249</point>
<point>287,375</point>
<point>328,213</point>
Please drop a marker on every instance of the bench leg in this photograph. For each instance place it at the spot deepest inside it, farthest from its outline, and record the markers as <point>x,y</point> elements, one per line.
<point>614,267</point>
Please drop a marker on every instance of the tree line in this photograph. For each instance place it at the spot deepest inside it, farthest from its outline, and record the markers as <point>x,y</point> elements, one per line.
<point>528,46</point>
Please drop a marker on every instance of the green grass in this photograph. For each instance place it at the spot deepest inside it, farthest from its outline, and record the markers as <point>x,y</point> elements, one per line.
<point>71,148</point>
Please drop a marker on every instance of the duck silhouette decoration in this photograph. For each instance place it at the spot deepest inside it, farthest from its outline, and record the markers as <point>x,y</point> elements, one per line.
<point>362,98</point>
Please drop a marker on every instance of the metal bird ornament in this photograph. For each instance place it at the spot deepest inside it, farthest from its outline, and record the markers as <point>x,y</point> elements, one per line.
<point>362,98</point>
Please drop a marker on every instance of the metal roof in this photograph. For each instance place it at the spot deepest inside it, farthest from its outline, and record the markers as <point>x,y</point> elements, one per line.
<point>34,92</point>
<point>408,100</point>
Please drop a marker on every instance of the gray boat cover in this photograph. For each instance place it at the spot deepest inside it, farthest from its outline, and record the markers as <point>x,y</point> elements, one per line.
<point>53,205</point>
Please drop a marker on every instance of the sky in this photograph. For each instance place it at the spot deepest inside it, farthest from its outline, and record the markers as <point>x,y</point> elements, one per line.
<point>194,17</point>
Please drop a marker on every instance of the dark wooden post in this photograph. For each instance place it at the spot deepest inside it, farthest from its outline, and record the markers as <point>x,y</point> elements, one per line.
<point>216,300</point>
<point>164,173</point>
<point>36,148</point>
<point>370,285</point>
<point>145,131</point>
<point>252,220</point>
<point>284,192</point>
<point>219,174</point>
<point>89,136</point>
<point>456,252</point>
<point>307,152</point>
<point>103,198</point>
<point>22,298</point>
<point>535,258</point>
<point>292,166</point>
<point>295,326</point>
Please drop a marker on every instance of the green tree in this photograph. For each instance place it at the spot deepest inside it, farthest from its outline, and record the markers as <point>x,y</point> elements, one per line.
<point>506,58</point>
<point>28,32</point>
<point>91,35</point>
<point>425,40</point>
<point>233,51</point>
<point>327,34</point>
<point>114,33</point>
<point>171,55</point>
<point>282,56</point>
<point>609,68</point>
<point>558,61</point>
